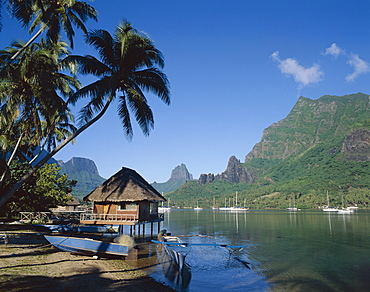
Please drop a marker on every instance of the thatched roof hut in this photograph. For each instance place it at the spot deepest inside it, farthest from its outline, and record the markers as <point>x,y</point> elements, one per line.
<point>73,202</point>
<point>125,186</point>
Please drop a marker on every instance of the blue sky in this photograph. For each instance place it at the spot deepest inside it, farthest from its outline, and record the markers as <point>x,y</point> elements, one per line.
<point>235,67</point>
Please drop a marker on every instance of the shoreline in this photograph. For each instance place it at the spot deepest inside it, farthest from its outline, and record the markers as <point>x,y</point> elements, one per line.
<point>28,262</point>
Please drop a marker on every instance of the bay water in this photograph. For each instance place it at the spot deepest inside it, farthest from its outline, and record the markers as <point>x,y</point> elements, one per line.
<point>283,251</point>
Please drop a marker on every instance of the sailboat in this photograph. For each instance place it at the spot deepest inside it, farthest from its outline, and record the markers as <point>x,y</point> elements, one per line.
<point>236,208</point>
<point>197,208</point>
<point>214,204</point>
<point>292,208</point>
<point>164,209</point>
<point>345,210</point>
<point>224,208</point>
<point>328,208</point>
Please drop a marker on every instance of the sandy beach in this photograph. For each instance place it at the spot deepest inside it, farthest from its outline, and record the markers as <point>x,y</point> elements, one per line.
<point>29,263</point>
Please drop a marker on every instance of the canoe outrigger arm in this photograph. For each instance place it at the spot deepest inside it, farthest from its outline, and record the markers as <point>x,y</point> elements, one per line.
<point>198,244</point>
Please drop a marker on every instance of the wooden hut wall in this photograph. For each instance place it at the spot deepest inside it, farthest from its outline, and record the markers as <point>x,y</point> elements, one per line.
<point>112,208</point>
<point>105,208</point>
<point>144,211</point>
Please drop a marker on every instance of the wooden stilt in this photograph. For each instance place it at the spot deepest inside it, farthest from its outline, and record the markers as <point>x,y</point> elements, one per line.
<point>143,229</point>
<point>151,229</point>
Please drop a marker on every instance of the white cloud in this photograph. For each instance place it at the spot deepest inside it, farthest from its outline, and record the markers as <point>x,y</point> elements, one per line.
<point>334,50</point>
<point>360,66</point>
<point>301,75</point>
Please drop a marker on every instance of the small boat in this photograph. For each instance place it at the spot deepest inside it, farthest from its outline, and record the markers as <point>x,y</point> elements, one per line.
<point>224,208</point>
<point>87,246</point>
<point>69,228</point>
<point>176,249</point>
<point>237,209</point>
<point>197,208</point>
<point>345,211</point>
<point>352,208</point>
<point>328,208</point>
<point>294,208</point>
<point>164,209</point>
<point>60,228</point>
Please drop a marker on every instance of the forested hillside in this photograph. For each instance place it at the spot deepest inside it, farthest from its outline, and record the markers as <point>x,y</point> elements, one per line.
<point>323,145</point>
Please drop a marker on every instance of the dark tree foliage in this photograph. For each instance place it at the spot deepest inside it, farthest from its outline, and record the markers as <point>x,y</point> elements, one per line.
<point>45,189</point>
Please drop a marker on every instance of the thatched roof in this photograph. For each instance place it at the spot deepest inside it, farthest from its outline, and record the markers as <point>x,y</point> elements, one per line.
<point>125,186</point>
<point>73,202</point>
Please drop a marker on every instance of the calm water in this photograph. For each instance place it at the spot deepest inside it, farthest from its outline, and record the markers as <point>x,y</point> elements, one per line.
<point>287,251</point>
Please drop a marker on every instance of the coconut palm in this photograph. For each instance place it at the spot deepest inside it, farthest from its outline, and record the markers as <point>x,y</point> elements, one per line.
<point>33,94</point>
<point>35,86</point>
<point>52,16</point>
<point>129,65</point>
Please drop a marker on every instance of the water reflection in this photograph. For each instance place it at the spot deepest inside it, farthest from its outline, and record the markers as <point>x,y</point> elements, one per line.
<point>179,279</point>
<point>287,251</point>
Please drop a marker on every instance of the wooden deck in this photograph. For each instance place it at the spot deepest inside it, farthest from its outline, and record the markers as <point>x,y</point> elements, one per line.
<point>121,219</point>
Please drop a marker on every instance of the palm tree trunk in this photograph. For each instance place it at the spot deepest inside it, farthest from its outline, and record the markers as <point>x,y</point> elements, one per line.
<point>11,158</point>
<point>6,196</point>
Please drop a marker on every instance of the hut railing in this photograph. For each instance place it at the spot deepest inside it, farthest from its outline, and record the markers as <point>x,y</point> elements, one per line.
<point>40,217</point>
<point>109,217</point>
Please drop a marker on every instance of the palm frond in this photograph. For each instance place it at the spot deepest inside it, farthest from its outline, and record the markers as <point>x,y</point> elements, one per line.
<point>124,116</point>
<point>103,42</point>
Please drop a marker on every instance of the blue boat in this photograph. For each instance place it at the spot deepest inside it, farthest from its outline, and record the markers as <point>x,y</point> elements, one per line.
<point>87,246</point>
<point>69,228</point>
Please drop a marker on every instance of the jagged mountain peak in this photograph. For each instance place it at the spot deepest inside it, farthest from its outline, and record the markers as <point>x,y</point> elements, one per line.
<point>180,172</point>
<point>79,164</point>
<point>85,172</point>
<point>179,176</point>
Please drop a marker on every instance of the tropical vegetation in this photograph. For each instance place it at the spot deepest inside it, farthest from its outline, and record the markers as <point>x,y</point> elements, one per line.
<point>46,188</point>
<point>37,92</point>
<point>304,157</point>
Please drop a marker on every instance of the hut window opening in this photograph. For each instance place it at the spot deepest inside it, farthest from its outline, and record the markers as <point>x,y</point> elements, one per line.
<point>153,208</point>
<point>127,206</point>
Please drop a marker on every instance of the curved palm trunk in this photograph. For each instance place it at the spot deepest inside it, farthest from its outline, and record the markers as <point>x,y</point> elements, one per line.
<point>11,158</point>
<point>21,50</point>
<point>6,196</point>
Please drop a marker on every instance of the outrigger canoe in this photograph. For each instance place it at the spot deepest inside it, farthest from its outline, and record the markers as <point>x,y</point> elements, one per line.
<point>178,249</point>
<point>87,246</point>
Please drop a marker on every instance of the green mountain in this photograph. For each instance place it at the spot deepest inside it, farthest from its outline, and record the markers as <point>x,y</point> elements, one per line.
<point>178,177</point>
<point>85,172</point>
<point>322,145</point>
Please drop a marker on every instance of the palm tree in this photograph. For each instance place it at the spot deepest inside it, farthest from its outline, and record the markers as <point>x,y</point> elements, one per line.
<point>34,84</point>
<point>33,94</point>
<point>130,65</point>
<point>52,16</point>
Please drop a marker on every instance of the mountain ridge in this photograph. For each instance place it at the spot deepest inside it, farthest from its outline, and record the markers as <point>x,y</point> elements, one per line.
<point>85,172</point>
<point>179,176</point>
<point>321,145</point>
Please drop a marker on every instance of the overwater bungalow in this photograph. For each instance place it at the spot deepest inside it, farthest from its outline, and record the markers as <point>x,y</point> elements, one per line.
<point>70,206</point>
<point>124,199</point>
